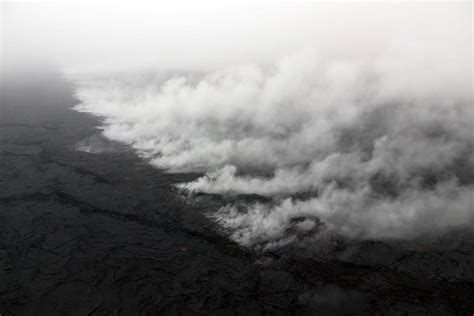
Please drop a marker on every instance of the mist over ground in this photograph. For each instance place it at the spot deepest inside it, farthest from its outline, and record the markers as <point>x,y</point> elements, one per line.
<point>351,119</point>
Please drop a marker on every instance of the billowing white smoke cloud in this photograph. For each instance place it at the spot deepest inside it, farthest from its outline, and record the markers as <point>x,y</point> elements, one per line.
<point>359,146</point>
<point>375,160</point>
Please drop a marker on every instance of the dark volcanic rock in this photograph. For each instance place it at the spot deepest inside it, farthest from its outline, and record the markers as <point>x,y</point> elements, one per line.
<point>94,230</point>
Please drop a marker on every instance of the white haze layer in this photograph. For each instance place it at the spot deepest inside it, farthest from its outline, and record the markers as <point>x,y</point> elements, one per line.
<point>371,146</point>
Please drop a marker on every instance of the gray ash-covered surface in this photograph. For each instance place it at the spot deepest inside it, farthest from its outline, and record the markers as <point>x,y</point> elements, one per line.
<point>104,233</point>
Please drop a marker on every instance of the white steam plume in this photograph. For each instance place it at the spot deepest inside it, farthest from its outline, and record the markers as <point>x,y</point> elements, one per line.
<point>361,146</point>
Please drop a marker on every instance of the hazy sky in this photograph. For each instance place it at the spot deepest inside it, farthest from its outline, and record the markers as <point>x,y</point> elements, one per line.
<point>211,35</point>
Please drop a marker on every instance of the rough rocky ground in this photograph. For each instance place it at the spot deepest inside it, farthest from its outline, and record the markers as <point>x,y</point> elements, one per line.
<point>103,233</point>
